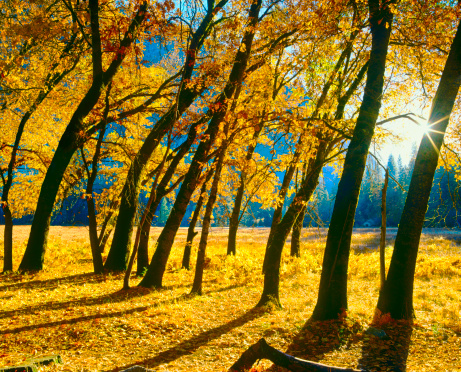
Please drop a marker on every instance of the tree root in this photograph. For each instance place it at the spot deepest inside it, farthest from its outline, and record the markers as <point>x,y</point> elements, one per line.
<point>262,350</point>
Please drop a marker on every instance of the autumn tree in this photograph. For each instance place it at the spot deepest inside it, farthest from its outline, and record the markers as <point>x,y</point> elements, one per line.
<point>189,90</point>
<point>217,113</point>
<point>396,297</point>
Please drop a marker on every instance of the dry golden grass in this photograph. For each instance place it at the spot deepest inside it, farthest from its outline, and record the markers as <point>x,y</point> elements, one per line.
<point>96,326</point>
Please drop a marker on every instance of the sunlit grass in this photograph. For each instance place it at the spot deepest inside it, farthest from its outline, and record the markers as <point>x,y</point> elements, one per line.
<point>96,326</point>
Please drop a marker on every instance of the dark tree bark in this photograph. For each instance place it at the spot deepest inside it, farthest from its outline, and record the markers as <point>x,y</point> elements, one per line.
<point>396,297</point>
<point>382,242</point>
<point>119,252</point>
<point>154,275</point>
<point>234,220</point>
<point>332,298</point>
<point>274,251</point>
<point>51,80</point>
<point>98,264</point>
<point>262,350</point>
<point>296,234</point>
<point>161,191</point>
<point>190,231</point>
<point>72,139</point>
<point>198,277</point>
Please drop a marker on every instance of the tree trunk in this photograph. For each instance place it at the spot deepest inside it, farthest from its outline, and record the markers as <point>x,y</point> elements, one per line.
<point>262,350</point>
<point>143,254</point>
<point>234,220</point>
<point>396,297</point>
<point>118,255</point>
<point>72,139</point>
<point>296,234</point>
<point>154,275</point>
<point>277,216</point>
<point>382,243</point>
<point>198,277</point>
<point>274,251</point>
<point>332,297</point>
<point>190,231</point>
<point>8,240</point>
<point>94,241</point>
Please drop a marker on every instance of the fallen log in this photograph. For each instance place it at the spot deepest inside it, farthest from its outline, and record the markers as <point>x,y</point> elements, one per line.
<point>262,350</point>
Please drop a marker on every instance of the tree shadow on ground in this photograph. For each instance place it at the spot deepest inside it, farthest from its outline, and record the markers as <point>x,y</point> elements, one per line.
<point>115,297</point>
<point>189,346</point>
<point>387,354</point>
<point>121,313</point>
<point>118,296</point>
<point>49,283</point>
<point>316,338</point>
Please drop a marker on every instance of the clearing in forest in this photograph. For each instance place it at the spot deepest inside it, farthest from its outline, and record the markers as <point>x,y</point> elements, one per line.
<point>95,326</point>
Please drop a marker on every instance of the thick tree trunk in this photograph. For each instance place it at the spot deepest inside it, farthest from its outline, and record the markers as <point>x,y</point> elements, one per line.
<point>72,138</point>
<point>396,297</point>
<point>274,251</point>
<point>118,255</point>
<point>198,277</point>
<point>382,242</point>
<point>296,234</point>
<point>234,220</point>
<point>332,297</point>
<point>190,231</point>
<point>154,275</point>
<point>8,240</point>
<point>262,350</point>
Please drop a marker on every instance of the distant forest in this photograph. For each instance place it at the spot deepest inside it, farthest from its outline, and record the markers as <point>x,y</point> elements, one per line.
<point>442,212</point>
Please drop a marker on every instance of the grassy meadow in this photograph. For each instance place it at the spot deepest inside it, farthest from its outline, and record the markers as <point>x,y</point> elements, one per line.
<point>96,326</point>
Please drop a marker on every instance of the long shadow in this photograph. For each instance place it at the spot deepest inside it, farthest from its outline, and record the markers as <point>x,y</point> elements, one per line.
<point>187,347</point>
<point>94,316</point>
<point>316,338</point>
<point>115,297</point>
<point>388,354</point>
<point>53,283</point>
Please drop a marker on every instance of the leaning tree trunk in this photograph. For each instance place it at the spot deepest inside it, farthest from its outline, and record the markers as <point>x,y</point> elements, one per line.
<point>198,277</point>
<point>274,251</point>
<point>118,255</point>
<point>262,350</point>
<point>396,297</point>
<point>72,138</point>
<point>190,231</point>
<point>154,275</point>
<point>332,297</point>
<point>162,191</point>
<point>296,234</point>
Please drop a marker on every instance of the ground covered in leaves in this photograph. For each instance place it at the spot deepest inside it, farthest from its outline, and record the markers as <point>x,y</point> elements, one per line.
<point>96,326</point>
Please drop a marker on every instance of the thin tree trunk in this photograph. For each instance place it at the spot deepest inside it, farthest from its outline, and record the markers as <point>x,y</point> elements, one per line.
<point>277,216</point>
<point>198,277</point>
<point>190,231</point>
<point>234,220</point>
<point>274,252</point>
<point>332,297</point>
<point>143,255</point>
<point>72,139</point>
<point>118,255</point>
<point>396,297</point>
<point>382,243</point>
<point>8,240</point>
<point>296,234</point>
<point>154,275</point>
